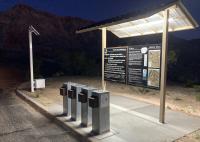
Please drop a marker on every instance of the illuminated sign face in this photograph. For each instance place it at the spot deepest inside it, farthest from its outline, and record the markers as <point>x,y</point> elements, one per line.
<point>115,64</point>
<point>134,65</point>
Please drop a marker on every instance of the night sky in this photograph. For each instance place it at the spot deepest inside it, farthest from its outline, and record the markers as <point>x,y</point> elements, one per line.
<point>98,10</point>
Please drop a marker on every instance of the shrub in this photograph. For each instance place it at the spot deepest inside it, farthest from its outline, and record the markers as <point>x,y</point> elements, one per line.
<point>198,97</point>
<point>177,99</point>
<point>197,88</point>
<point>189,84</point>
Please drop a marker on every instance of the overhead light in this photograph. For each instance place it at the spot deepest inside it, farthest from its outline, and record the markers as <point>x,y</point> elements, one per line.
<point>33,30</point>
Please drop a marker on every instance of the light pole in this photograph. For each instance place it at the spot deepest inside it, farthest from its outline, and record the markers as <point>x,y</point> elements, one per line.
<point>30,31</point>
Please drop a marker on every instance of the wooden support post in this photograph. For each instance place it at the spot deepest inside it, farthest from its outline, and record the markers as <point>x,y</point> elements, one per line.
<point>104,38</point>
<point>164,66</point>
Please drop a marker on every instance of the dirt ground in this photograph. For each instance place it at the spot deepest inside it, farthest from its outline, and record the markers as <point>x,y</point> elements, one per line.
<point>21,123</point>
<point>9,77</point>
<point>178,98</point>
<point>193,137</point>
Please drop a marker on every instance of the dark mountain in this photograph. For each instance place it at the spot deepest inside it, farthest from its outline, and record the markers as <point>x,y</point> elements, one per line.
<point>57,41</point>
<point>59,50</point>
<point>53,29</point>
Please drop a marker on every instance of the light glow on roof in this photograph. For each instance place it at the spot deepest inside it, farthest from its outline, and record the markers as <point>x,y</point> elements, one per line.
<point>152,25</point>
<point>145,23</point>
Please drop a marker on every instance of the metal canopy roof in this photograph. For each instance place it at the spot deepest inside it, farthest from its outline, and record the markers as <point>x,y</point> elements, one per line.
<point>149,21</point>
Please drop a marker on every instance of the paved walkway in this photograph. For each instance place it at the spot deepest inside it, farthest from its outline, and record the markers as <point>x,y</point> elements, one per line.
<point>21,123</point>
<point>131,120</point>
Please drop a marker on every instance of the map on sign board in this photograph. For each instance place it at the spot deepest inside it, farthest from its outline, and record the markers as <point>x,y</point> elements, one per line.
<point>154,59</point>
<point>154,62</point>
<point>154,77</point>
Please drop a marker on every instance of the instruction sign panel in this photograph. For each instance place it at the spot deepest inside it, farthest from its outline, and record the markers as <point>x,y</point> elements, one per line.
<point>144,65</point>
<point>115,64</point>
<point>137,65</point>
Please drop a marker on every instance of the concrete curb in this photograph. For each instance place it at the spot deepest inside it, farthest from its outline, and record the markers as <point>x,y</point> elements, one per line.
<point>77,134</point>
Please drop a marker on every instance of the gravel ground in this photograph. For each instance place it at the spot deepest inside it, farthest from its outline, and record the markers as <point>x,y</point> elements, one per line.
<point>21,123</point>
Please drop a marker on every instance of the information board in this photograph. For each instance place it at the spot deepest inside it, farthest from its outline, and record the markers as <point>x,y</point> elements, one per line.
<point>144,65</point>
<point>137,65</point>
<point>115,64</point>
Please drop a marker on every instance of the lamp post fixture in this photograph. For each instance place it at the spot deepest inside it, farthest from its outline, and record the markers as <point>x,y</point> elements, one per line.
<point>30,31</point>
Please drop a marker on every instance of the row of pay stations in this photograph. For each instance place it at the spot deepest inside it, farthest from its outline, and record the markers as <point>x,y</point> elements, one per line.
<point>88,105</point>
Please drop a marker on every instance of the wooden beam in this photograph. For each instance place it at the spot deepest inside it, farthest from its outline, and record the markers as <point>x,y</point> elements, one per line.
<point>188,15</point>
<point>164,66</point>
<point>104,41</point>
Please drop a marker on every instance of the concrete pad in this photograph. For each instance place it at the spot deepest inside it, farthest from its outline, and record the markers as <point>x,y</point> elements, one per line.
<point>135,129</point>
<point>176,119</point>
<point>127,102</point>
<point>131,120</point>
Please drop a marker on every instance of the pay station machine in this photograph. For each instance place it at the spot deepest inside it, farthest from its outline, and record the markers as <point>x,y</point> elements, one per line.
<point>86,111</point>
<point>100,104</point>
<point>75,105</point>
<point>66,102</point>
